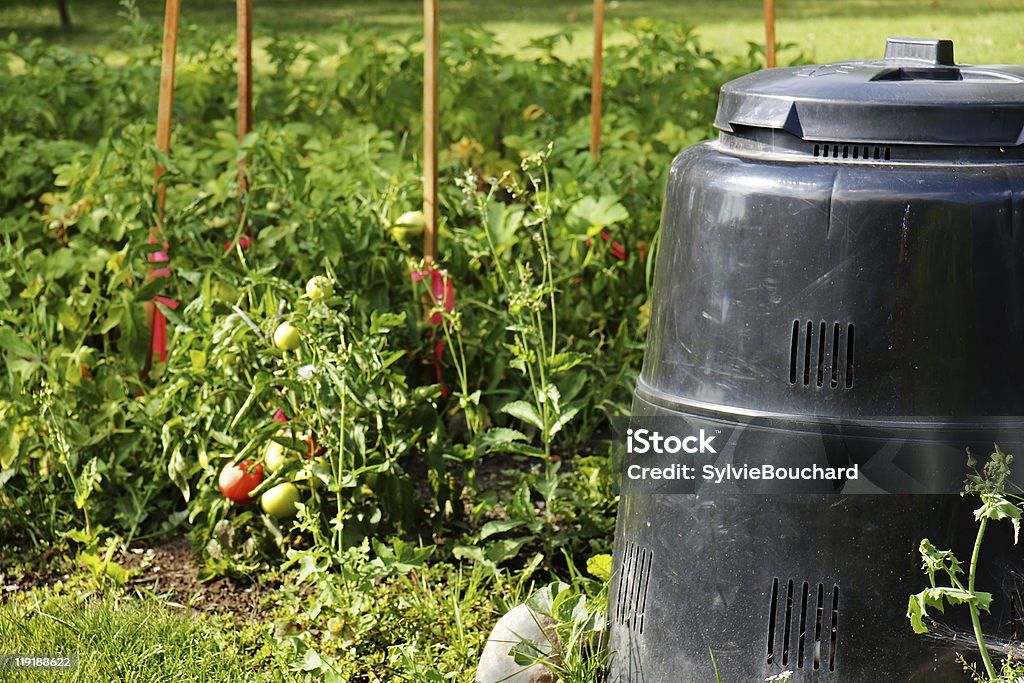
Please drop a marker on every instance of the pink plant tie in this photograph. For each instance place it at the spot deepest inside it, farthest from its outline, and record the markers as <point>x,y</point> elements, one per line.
<point>158,346</point>
<point>441,288</point>
<point>159,349</point>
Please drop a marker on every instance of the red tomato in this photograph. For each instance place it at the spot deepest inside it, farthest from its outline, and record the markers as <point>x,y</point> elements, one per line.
<point>236,482</point>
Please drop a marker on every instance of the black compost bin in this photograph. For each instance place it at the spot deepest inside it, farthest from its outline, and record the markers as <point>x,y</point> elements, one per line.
<point>839,283</point>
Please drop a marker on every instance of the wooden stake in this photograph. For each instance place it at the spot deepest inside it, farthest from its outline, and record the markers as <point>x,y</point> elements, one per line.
<point>163,119</point>
<point>596,81</point>
<point>431,68</point>
<point>154,318</point>
<point>769,33</point>
<point>244,10</point>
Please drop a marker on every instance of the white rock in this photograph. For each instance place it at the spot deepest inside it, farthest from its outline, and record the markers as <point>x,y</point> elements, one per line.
<point>522,623</point>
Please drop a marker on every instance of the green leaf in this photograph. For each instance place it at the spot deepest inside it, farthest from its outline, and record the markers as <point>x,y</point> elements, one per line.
<point>307,568</point>
<point>545,600</point>
<point>917,607</point>
<point>469,552</point>
<point>561,362</point>
<point>400,557</point>
<point>983,600</point>
<point>935,561</point>
<point>588,217</point>
<point>916,611</point>
<point>527,653</point>
<point>506,549</point>
<point>498,526</point>
<point>600,566</point>
<point>572,610</point>
<point>311,661</point>
<point>382,323</point>
<point>996,508</point>
<point>13,342</point>
<point>177,470</point>
<point>173,316</point>
<point>10,445</point>
<point>114,315</point>
<point>498,438</point>
<point>79,536</point>
<point>502,223</point>
<point>89,478</point>
<point>198,359</point>
<point>563,419</point>
<point>523,411</point>
<point>954,596</point>
<point>101,567</point>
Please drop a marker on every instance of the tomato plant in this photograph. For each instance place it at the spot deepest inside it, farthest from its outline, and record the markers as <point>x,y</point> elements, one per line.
<point>406,390</point>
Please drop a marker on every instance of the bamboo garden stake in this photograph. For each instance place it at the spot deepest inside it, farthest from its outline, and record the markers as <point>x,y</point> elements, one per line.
<point>166,105</point>
<point>159,258</point>
<point>769,33</point>
<point>431,67</point>
<point>596,82</point>
<point>244,8</point>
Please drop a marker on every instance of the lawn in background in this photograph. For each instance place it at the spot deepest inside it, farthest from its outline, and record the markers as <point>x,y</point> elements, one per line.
<point>985,31</point>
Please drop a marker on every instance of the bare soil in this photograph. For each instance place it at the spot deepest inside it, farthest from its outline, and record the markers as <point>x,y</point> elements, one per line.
<point>170,570</point>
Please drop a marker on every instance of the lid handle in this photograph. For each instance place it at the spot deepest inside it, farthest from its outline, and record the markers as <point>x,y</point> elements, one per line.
<point>926,50</point>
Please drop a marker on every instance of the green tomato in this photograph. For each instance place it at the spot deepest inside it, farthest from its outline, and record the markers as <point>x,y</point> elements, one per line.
<point>279,501</point>
<point>319,288</point>
<point>286,337</point>
<point>408,227</point>
<point>273,207</point>
<point>275,456</point>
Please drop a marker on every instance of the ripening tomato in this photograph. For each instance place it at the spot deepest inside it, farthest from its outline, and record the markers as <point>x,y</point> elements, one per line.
<point>408,227</point>
<point>287,337</point>
<point>319,288</point>
<point>279,501</point>
<point>275,456</point>
<point>237,482</point>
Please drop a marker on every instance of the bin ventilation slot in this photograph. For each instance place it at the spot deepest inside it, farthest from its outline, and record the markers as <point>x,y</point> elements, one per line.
<point>634,577</point>
<point>834,150</point>
<point>815,352</point>
<point>809,615</point>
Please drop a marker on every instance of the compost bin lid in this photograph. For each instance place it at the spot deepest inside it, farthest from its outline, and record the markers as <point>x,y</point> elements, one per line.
<point>916,95</point>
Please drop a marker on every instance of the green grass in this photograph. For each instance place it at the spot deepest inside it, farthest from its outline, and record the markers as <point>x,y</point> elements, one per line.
<point>985,31</point>
<point>432,621</point>
<point>117,639</point>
